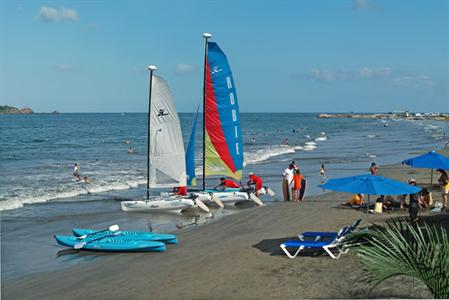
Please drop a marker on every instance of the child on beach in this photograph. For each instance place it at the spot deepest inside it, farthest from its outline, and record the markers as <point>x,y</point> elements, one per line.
<point>297,178</point>
<point>322,174</point>
<point>373,169</point>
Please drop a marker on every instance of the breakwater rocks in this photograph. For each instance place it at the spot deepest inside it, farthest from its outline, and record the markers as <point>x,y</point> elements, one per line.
<point>401,115</point>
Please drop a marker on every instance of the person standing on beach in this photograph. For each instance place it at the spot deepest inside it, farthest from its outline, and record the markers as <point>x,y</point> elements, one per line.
<point>297,182</point>
<point>444,185</point>
<point>414,200</point>
<point>287,179</point>
<point>373,169</point>
<point>322,174</point>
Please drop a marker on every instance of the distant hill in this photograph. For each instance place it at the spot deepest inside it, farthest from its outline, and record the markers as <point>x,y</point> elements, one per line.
<point>5,109</point>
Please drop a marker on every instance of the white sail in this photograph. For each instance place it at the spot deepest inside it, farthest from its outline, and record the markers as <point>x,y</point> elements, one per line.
<point>167,161</point>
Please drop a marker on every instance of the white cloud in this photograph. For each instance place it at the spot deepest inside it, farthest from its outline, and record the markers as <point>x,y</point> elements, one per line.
<point>365,5</point>
<point>398,78</point>
<point>184,69</point>
<point>366,72</point>
<point>321,75</point>
<point>51,14</point>
<point>64,67</point>
<point>91,26</point>
<point>326,75</point>
<point>414,81</point>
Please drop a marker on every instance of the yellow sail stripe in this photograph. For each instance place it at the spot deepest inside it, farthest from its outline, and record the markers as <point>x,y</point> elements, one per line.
<point>215,165</point>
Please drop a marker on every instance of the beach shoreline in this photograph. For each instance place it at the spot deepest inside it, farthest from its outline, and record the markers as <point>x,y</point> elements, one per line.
<point>235,257</point>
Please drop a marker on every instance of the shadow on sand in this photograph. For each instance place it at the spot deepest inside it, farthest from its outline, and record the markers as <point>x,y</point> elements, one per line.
<point>272,246</point>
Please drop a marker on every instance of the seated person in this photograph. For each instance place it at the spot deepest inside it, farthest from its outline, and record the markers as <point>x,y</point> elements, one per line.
<point>356,199</point>
<point>227,183</point>
<point>390,202</point>
<point>427,199</point>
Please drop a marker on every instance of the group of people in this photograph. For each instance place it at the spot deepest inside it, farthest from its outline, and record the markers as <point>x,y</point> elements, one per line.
<point>254,184</point>
<point>292,183</point>
<point>421,200</point>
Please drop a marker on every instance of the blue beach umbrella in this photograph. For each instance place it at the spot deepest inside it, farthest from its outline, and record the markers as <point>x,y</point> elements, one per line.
<point>370,185</point>
<point>431,160</point>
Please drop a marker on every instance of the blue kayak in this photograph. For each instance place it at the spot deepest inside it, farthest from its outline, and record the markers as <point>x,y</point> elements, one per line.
<point>130,235</point>
<point>111,243</point>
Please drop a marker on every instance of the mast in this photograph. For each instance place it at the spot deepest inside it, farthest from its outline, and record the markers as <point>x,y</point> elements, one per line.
<point>206,37</point>
<point>151,68</point>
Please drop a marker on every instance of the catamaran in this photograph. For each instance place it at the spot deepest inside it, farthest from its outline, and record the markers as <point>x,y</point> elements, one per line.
<point>222,136</point>
<point>166,166</point>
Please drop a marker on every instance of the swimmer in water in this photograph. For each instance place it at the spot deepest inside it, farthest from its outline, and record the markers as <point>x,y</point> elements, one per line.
<point>253,141</point>
<point>286,141</point>
<point>130,150</point>
<point>76,169</point>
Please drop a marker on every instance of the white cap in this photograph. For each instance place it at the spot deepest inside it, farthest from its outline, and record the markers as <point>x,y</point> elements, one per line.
<point>411,180</point>
<point>250,173</point>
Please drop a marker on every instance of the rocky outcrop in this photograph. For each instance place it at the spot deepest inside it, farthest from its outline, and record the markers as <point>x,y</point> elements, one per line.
<point>5,109</point>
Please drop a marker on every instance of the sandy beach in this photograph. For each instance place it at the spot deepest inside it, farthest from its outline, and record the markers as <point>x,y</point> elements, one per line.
<point>236,257</point>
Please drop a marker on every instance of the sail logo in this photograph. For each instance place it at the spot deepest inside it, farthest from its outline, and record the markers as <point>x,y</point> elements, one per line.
<point>162,113</point>
<point>216,69</point>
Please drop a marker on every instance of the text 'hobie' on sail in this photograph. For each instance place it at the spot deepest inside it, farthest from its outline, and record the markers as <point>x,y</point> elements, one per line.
<point>166,166</point>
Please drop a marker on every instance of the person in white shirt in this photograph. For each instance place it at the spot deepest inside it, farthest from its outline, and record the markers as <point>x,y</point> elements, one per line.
<point>76,169</point>
<point>287,182</point>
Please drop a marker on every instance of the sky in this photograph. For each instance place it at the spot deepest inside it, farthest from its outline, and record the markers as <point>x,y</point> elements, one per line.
<point>286,56</point>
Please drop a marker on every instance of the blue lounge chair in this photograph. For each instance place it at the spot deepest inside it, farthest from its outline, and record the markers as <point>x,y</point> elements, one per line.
<point>318,235</point>
<point>334,243</point>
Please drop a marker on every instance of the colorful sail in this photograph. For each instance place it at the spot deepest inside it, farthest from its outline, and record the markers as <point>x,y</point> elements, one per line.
<point>190,155</point>
<point>223,139</point>
<point>167,161</point>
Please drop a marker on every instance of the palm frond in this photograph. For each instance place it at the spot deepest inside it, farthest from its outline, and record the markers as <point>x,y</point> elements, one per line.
<point>402,249</point>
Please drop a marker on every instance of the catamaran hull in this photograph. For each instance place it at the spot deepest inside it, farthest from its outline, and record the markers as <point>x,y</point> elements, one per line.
<point>228,198</point>
<point>157,205</point>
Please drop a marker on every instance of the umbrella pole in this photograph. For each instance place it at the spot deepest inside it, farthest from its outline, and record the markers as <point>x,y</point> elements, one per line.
<point>431,178</point>
<point>367,212</point>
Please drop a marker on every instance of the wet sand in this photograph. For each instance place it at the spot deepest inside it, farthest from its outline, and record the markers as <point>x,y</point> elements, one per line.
<point>236,257</point>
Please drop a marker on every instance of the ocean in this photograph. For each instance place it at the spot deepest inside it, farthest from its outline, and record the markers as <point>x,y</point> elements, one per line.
<point>39,196</point>
<point>38,151</point>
